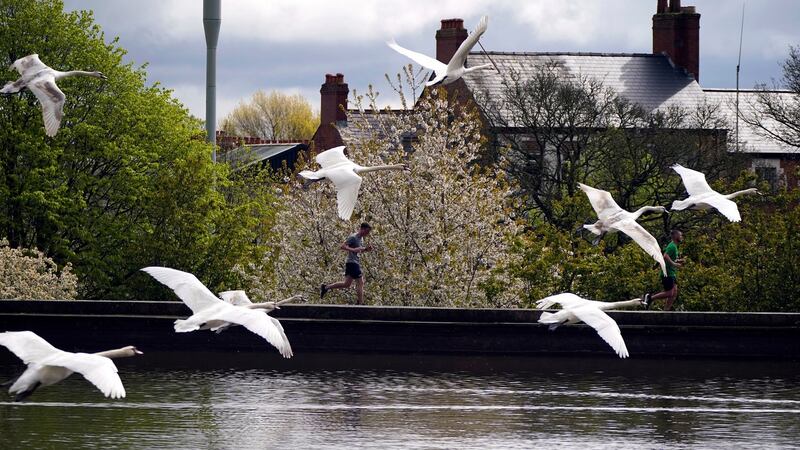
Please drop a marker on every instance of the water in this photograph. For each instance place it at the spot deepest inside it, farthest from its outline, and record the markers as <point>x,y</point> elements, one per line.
<point>351,401</point>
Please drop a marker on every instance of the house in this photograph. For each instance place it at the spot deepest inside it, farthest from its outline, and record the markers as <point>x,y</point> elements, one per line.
<point>241,152</point>
<point>667,77</point>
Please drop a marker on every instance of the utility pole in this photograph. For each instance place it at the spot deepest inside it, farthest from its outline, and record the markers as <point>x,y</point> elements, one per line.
<point>211,20</point>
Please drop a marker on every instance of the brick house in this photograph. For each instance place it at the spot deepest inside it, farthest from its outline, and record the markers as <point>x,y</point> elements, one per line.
<point>667,77</point>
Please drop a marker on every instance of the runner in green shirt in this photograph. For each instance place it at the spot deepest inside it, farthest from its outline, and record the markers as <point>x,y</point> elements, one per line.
<point>669,282</point>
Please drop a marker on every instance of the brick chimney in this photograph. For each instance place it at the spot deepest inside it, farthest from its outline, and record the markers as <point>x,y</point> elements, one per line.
<point>449,38</point>
<point>676,32</point>
<point>334,97</point>
<point>334,93</point>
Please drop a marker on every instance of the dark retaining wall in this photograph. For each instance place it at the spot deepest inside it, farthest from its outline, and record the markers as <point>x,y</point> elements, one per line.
<point>99,325</point>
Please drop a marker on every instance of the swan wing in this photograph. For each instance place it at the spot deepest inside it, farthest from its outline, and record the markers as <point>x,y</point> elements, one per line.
<point>259,323</point>
<point>29,64</point>
<point>460,56</point>
<point>287,346</point>
<point>694,181</point>
<point>52,101</point>
<point>423,60</point>
<point>602,201</point>
<point>566,300</point>
<point>332,157</point>
<point>237,298</point>
<point>644,239</point>
<point>99,370</point>
<point>186,286</point>
<point>604,325</point>
<point>28,346</point>
<point>347,184</point>
<point>727,207</point>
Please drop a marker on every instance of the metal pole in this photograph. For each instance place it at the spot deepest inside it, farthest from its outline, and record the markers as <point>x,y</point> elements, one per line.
<point>211,20</point>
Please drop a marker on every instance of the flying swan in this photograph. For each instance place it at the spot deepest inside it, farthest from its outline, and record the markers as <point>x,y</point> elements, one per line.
<point>575,309</point>
<point>701,196</point>
<point>613,218</point>
<point>41,80</point>
<point>48,365</point>
<point>212,313</point>
<point>344,174</point>
<point>455,69</point>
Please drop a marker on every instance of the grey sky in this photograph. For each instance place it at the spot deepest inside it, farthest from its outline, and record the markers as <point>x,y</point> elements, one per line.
<point>289,45</point>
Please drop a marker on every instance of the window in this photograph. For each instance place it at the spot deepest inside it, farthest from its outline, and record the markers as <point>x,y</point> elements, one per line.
<point>768,174</point>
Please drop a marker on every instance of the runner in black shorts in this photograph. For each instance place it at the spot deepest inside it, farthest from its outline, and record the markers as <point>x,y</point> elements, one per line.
<point>670,282</point>
<point>354,246</point>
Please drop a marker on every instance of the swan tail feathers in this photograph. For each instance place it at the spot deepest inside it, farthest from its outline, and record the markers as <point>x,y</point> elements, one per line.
<point>22,395</point>
<point>680,205</point>
<point>593,229</point>
<point>12,87</point>
<point>309,175</point>
<point>547,317</point>
<point>184,326</point>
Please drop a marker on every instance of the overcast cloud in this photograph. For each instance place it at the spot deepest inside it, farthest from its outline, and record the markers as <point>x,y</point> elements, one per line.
<point>289,45</point>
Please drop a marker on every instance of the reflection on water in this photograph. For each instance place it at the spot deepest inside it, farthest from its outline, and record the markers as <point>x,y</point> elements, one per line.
<point>414,402</point>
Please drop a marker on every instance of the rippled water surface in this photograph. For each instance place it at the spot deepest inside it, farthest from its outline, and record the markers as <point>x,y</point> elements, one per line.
<point>414,402</point>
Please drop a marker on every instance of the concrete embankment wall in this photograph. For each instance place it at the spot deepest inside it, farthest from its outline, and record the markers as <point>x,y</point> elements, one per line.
<point>96,325</point>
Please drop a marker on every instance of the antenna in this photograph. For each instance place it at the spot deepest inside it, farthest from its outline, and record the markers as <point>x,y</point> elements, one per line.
<point>738,67</point>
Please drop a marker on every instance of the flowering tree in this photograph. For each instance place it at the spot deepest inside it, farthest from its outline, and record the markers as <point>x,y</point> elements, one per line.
<point>438,230</point>
<point>29,274</point>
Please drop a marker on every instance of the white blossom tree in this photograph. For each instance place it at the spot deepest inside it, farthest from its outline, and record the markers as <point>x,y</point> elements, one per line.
<point>28,274</point>
<point>438,230</point>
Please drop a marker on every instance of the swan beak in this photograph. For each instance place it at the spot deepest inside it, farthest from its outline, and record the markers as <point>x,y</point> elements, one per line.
<point>138,352</point>
<point>102,76</point>
<point>406,168</point>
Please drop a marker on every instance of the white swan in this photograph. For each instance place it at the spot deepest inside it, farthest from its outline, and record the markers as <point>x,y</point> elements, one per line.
<point>239,298</point>
<point>345,177</point>
<point>701,196</point>
<point>48,365</point>
<point>455,69</point>
<point>212,313</point>
<point>41,80</point>
<point>575,309</point>
<point>613,218</point>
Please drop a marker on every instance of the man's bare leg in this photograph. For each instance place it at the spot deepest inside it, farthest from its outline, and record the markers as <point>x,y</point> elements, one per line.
<point>360,291</point>
<point>341,285</point>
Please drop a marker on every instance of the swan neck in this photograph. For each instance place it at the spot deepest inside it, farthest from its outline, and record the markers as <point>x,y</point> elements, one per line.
<point>624,304</point>
<point>117,353</point>
<point>643,210</point>
<point>72,73</point>
<point>738,193</point>
<point>479,67</point>
<point>376,168</point>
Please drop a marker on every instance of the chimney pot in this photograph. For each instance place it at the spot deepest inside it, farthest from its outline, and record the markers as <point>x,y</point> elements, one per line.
<point>334,93</point>
<point>448,38</point>
<point>676,32</point>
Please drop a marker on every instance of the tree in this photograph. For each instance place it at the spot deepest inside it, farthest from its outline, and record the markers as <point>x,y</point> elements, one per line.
<point>438,230</point>
<point>274,116</point>
<point>559,131</point>
<point>29,274</point>
<point>127,182</point>
<point>775,114</point>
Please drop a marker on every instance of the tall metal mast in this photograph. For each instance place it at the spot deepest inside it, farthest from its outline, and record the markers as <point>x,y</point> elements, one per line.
<point>211,20</point>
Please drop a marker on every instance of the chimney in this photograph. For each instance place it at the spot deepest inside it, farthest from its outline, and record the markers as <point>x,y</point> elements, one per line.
<point>449,38</point>
<point>334,93</point>
<point>676,32</point>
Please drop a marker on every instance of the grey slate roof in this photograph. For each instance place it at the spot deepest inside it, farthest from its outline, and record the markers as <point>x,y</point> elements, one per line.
<point>750,139</point>
<point>251,154</point>
<point>650,80</point>
<point>365,125</point>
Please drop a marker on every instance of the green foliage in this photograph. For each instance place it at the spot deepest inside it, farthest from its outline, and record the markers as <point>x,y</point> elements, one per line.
<point>127,182</point>
<point>746,266</point>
